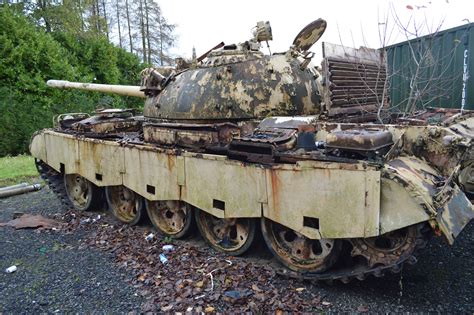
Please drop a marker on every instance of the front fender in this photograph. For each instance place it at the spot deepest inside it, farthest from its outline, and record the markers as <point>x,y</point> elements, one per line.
<point>38,145</point>
<point>432,197</point>
<point>454,213</point>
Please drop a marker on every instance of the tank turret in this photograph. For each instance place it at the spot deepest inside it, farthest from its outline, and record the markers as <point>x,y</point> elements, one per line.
<point>230,82</point>
<point>239,82</point>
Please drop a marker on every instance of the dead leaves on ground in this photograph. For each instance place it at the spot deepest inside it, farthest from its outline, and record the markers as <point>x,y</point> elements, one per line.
<point>195,279</point>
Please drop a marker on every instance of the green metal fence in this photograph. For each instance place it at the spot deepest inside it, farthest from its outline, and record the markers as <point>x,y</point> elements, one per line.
<point>433,70</point>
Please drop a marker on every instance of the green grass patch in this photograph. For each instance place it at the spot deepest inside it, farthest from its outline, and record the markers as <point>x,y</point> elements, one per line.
<point>17,169</point>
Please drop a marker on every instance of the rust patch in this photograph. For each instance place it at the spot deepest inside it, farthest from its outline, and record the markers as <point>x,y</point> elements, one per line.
<point>359,140</point>
<point>190,135</point>
<point>275,194</point>
<point>171,162</point>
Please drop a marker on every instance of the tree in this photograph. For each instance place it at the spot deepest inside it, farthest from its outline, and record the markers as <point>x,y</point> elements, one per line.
<point>72,16</point>
<point>150,35</point>
<point>166,39</point>
<point>31,56</point>
<point>128,17</point>
<point>160,35</point>
<point>104,12</point>
<point>142,10</point>
<point>96,18</point>
<point>119,26</point>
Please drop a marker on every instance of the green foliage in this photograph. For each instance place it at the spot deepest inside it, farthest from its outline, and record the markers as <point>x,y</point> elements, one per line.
<point>65,17</point>
<point>30,57</point>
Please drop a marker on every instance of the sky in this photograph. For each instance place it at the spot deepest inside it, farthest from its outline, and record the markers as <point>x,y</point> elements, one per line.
<point>205,23</point>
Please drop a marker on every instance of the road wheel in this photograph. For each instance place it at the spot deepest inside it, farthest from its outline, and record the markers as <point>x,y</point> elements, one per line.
<point>125,204</point>
<point>172,218</point>
<point>232,236</point>
<point>83,194</point>
<point>298,252</point>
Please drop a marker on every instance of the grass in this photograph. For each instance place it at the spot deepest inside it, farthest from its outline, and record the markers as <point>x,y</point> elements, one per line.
<point>17,169</point>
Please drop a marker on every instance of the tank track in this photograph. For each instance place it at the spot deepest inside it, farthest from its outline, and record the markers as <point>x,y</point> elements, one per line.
<point>55,181</point>
<point>360,272</point>
<point>345,275</point>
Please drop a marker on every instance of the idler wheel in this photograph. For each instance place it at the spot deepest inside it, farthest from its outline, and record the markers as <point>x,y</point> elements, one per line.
<point>84,195</point>
<point>125,204</point>
<point>388,248</point>
<point>172,218</point>
<point>232,236</point>
<point>298,252</point>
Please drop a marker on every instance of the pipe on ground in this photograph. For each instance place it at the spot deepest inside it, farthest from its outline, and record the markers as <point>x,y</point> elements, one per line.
<point>19,190</point>
<point>13,187</point>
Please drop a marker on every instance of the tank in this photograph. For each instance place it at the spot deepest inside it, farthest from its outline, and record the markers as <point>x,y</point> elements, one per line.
<point>240,142</point>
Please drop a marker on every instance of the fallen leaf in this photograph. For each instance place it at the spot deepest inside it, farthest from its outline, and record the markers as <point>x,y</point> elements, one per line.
<point>256,288</point>
<point>209,309</point>
<point>199,284</point>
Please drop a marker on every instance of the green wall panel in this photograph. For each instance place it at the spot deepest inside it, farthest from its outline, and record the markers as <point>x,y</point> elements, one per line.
<point>428,71</point>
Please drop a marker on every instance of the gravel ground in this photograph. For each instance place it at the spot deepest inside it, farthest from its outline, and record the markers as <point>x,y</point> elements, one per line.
<point>60,272</point>
<point>56,272</point>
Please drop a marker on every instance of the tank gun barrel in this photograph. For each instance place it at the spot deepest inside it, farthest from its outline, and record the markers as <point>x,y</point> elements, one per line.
<point>126,90</point>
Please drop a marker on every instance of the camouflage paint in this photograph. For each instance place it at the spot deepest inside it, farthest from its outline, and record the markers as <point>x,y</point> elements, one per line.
<point>237,87</point>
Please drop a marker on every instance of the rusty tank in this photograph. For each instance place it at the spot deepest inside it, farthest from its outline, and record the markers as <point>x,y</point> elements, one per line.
<point>237,141</point>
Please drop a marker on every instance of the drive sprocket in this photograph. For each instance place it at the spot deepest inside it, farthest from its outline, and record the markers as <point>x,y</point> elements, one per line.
<point>389,248</point>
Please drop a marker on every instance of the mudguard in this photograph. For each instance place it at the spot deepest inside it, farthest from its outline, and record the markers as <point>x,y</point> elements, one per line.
<point>442,201</point>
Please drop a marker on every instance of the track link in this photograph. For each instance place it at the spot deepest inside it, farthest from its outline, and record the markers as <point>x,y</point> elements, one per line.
<point>55,181</point>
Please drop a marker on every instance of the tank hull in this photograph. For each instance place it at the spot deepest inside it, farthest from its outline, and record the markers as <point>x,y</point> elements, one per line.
<point>349,200</point>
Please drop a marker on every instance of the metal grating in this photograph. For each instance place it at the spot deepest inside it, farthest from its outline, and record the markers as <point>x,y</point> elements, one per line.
<point>355,81</point>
